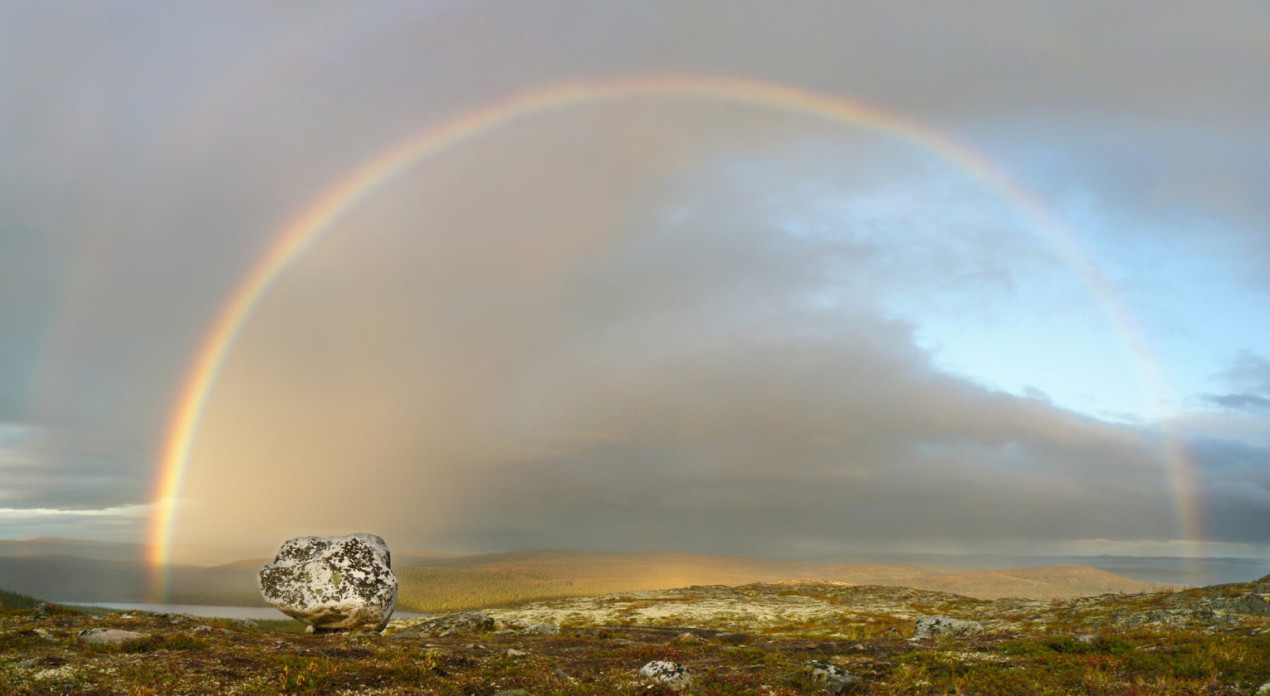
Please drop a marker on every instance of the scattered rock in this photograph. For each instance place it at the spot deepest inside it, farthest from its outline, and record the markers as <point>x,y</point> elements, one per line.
<point>1087,639</point>
<point>463,621</point>
<point>543,629</point>
<point>108,636</point>
<point>830,676</point>
<point>513,652</point>
<point>333,583</point>
<point>1264,689</point>
<point>671,675</point>
<point>1250,604</point>
<point>933,626</point>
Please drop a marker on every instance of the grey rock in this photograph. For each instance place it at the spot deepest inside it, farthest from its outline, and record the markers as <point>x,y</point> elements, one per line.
<point>671,675</point>
<point>933,626</point>
<point>543,629</point>
<point>332,583</point>
<point>513,652</point>
<point>458,622</point>
<point>829,676</point>
<point>1264,689</point>
<point>108,636</point>
<point>1250,604</point>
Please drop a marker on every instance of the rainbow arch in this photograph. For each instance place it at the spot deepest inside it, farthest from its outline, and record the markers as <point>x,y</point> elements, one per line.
<point>331,205</point>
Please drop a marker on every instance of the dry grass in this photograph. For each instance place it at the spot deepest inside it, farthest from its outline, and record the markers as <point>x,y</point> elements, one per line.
<point>1029,648</point>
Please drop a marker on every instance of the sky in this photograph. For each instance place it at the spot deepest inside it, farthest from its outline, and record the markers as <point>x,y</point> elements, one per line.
<point>675,322</point>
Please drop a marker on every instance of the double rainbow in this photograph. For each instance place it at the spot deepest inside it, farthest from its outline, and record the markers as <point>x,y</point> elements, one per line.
<point>302,231</point>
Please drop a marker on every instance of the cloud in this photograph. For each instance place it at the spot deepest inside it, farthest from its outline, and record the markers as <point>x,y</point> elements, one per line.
<point>491,367</point>
<point>1249,377</point>
<point>635,324</point>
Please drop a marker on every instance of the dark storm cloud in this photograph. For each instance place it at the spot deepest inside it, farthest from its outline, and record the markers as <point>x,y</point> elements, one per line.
<point>1235,488</point>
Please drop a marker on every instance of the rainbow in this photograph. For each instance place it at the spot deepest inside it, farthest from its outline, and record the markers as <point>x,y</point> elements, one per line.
<point>301,232</point>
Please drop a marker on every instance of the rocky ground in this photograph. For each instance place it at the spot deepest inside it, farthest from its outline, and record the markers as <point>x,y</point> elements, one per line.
<point>804,638</point>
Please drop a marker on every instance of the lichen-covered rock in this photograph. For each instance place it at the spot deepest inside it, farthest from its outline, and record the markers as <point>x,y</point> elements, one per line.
<point>671,675</point>
<point>333,583</point>
<point>829,676</point>
<point>1250,603</point>
<point>109,636</point>
<point>543,629</point>
<point>458,622</point>
<point>932,626</point>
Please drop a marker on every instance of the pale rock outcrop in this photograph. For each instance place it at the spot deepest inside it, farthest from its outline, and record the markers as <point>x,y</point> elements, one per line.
<point>932,626</point>
<point>831,677</point>
<point>333,583</point>
<point>458,622</point>
<point>109,636</point>
<point>665,673</point>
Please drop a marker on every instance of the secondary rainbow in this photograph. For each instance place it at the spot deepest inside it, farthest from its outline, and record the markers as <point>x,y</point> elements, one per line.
<point>301,232</point>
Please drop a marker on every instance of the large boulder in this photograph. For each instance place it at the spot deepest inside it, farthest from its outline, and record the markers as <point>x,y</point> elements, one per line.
<point>333,583</point>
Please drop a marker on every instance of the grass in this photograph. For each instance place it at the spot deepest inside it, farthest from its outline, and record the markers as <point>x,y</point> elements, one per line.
<point>1078,652</point>
<point>13,600</point>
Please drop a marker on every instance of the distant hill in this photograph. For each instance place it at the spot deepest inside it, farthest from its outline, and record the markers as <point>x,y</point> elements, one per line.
<point>440,582</point>
<point>13,600</point>
<point>80,548</point>
<point>1048,582</point>
<point>507,578</point>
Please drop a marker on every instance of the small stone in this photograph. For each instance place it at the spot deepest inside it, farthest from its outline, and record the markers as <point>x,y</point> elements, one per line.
<point>333,583</point>
<point>932,626</point>
<point>669,674</point>
<point>513,652</point>
<point>1087,639</point>
<point>108,636</point>
<point>830,676</point>
<point>543,629</point>
<point>1263,690</point>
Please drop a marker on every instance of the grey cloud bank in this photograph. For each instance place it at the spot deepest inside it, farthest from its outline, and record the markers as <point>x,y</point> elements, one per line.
<point>671,326</point>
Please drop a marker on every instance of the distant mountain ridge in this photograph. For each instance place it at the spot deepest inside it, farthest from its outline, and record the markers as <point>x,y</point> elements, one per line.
<point>54,569</point>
